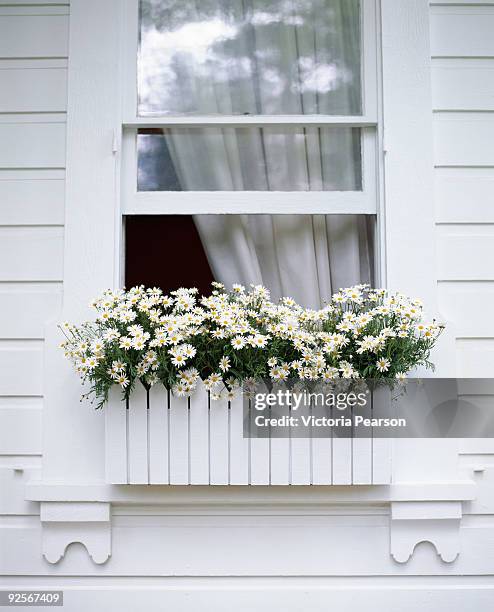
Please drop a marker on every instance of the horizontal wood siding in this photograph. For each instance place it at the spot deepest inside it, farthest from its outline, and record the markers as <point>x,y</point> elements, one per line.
<point>33,101</point>
<point>462,48</point>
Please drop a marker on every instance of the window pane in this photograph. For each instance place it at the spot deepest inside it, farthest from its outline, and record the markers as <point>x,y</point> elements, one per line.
<point>249,159</point>
<point>307,257</point>
<point>250,57</point>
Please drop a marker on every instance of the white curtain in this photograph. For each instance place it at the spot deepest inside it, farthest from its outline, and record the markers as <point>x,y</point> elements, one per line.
<point>269,57</point>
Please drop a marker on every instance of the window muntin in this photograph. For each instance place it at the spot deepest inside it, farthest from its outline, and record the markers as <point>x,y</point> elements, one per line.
<point>252,57</point>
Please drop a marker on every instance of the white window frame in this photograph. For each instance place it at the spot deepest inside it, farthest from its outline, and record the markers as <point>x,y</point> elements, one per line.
<point>251,202</point>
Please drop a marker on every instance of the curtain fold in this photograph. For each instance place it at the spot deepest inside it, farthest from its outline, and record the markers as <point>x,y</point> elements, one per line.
<point>300,57</point>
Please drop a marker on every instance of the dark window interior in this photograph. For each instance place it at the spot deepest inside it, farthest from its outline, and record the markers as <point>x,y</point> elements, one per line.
<point>165,251</point>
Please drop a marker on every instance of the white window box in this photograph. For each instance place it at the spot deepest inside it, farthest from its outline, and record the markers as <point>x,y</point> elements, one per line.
<point>162,439</point>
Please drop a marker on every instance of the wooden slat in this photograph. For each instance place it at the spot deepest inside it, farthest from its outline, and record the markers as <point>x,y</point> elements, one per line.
<point>463,139</point>
<point>362,450</point>
<point>469,306</point>
<point>116,415</point>
<point>322,458</point>
<point>34,36</point>
<point>280,461</point>
<point>218,442</point>
<point>179,440</point>
<point>21,368</point>
<point>32,145</point>
<point>465,253</point>
<point>138,436</point>
<point>462,32</point>
<point>459,84</point>
<point>32,202</point>
<point>199,436</point>
<point>158,435</point>
<point>26,307</point>
<point>239,445</point>
<point>33,90</point>
<point>342,460</point>
<point>300,471</point>
<point>259,455</point>
<point>464,195</point>
<point>31,254</point>
<point>475,358</point>
<point>20,428</point>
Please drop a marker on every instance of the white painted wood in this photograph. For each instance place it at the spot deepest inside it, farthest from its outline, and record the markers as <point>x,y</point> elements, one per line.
<point>158,435</point>
<point>31,254</point>
<point>34,36</point>
<point>31,202</point>
<point>21,367</point>
<point>469,306</point>
<point>382,454</point>
<point>153,121</point>
<point>475,357</point>
<point>32,145</point>
<point>33,90</point>
<point>465,252</point>
<point>138,438</point>
<point>20,427</point>
<point>342,460</point>
<point>300,461</point>
<point>462,31</point>
<point>12,485</point>
<point>179,440</point>
<point>462,84</point>
<point>252,202</point>
<point>406,84</point>
<point>279,461</point>
<point>199,436</point>
<point>219,442</point>
<point>463,139</point>
<point>362,461</point>
<point>239,445</point>
<point>259,454</point>
<point>26,307</point>
<point>116,438</point>
<point>322,460</point>
<point>464,195</point>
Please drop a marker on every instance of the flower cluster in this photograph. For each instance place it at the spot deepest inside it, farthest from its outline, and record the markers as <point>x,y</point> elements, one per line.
<point>228,338</point>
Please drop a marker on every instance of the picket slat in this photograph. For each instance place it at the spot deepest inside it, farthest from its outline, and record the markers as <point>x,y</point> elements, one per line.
<point>158,435</point>
<point>239,445</point>
<point>342,461</point>
<point>138,436</point>
<point>179,440</point>
<point>199,437</point>
<point>322,460</point>
<point>218,442</point>
<point>259,472</point>
<point>116,438</point>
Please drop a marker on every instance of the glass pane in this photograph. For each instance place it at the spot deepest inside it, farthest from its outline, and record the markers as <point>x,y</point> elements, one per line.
<point>249,159</point>
<point>250,57</point>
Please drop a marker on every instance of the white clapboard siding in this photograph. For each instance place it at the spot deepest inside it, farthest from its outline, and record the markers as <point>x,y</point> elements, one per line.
<point>32,201</point>
<point>33,36</point>
<point>469,306</point>
<point>462,31</point>
<point>31,253</point>
<point>462,84</point>
<point>21,367</point>
<point>465,252</point>
<point>476,357</point>
<point>464,195</point>
<point>463,139</point>
<point>33,90</point>
<point>32,145</point>
<point>26,307</point>
<point>162,439</point>
<point>20,425</point>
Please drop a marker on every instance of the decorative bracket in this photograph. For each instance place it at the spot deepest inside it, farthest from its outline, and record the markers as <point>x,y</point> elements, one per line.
<point>437,522</point>
<point>65,523</point>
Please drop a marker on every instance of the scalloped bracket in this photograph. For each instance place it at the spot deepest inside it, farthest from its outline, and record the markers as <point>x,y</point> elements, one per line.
<point>65,523</point>
<point>437,522</point>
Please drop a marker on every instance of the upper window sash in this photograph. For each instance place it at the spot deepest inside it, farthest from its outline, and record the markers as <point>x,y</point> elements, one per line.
<point>369,78</point>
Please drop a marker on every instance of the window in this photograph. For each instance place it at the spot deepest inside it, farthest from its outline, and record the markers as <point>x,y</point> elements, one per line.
<point>244,114</point>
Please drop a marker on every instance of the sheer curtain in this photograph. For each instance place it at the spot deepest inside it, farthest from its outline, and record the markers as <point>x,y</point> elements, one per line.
<point>268,57</point>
